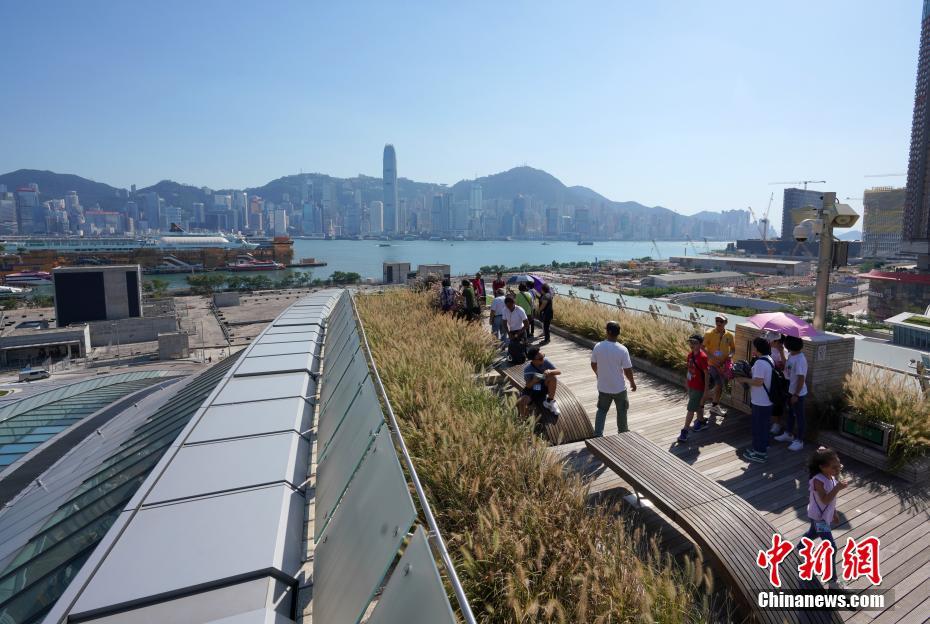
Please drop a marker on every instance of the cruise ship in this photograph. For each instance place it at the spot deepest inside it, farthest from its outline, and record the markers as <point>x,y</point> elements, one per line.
<point>169,241</point>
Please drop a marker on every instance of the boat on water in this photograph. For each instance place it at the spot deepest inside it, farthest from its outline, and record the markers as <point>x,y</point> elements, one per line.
<point>585,242</point>
<point>247,262</point>
<point>13,291</point>
<point>32,278</point>
<point>384,244</point>
<point>545,243</point>
<point>308,262</point>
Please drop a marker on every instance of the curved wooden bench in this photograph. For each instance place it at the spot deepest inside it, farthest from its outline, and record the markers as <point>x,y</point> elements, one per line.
<point>571,425</point>
<point>729,530</point>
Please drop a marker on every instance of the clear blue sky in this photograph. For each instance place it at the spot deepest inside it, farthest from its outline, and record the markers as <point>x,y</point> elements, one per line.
<point>690,105</point>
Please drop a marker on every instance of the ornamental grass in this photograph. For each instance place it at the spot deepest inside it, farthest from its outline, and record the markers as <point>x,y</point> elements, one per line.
<point>529,547</point>
<point>661,340</point>
<point>878,395</point>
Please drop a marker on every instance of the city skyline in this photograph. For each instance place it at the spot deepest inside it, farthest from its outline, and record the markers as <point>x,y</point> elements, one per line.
<point>667,105</point>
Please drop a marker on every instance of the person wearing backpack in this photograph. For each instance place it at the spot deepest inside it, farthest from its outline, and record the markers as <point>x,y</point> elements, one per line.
<point>796,374</point>
<point>760,387</point>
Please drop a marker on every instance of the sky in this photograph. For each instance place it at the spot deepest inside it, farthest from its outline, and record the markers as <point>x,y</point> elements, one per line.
<point>689,105</point>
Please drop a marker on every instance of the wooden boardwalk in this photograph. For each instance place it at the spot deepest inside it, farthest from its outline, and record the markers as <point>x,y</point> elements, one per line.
<point>874,504</point>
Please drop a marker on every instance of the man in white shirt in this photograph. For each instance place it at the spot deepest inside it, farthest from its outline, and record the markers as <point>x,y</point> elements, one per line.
<point>796,374</point>
<point>610,362</point>
<point>497,315</point>
<point>759,387</point>
<point>515,320</point>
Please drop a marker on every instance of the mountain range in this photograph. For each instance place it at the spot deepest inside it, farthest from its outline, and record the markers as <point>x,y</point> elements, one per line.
<point>543,187</point>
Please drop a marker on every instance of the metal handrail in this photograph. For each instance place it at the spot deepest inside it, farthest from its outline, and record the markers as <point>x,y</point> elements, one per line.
<point>436,536</point>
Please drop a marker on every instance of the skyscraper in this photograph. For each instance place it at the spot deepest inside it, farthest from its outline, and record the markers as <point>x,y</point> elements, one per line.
<point>881,223</point>
<point>794,199</point>
<point>916,231</point>
<point>30,215</point>
<point>390,190</point>
<point>376,216</point>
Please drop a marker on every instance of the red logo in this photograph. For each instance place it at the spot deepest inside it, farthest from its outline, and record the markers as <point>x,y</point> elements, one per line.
<point>817,560</point>
<point>861,559</point>
<point>772,557</point>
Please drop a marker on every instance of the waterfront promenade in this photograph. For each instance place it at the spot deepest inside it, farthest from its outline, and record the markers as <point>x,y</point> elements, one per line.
<point>874,504</point>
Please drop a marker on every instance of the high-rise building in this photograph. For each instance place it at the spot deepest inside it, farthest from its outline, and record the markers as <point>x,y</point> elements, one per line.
<point>794,199</point>
<point>552,221</point>
<point>280,222</point>
<point>390,190</point>
<point>440,215</point>
<point>7,212</point>
<point>881,223</point>
<point>916,224</point>
<point>376,216</point>
<point>520,209</point>
<point>403,216</point>
<point>460,218</point>
<point>582,222</point>
<point>30,214</point>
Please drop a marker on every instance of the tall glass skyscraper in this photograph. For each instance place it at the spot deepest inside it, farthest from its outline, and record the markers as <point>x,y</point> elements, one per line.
<point>916,233</point>
<point>390,190</point>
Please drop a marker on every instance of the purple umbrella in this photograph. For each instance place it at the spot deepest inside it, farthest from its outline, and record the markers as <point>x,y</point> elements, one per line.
<point>784,323</point>
<point>537,283</point>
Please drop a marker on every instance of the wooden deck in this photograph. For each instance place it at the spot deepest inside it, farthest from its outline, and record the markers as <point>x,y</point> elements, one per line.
<point>874,504</point>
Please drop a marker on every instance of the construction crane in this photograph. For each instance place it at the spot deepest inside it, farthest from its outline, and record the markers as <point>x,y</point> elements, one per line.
<point>656,247</point>
<point>763,230</point>
<point>706,246</point>
<point>693,246</point>
<point>765,218</point>
<point>804,182</point>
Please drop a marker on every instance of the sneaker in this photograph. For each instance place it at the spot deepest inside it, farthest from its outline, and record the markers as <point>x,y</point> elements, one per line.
<point>776,429</point>
<point>684,436</point>
<point>784,437</point>
<point>797,445</point>
<point>756,457</point>
<point>716,410</point>
<point>552,406</point>
<point>700,425</point>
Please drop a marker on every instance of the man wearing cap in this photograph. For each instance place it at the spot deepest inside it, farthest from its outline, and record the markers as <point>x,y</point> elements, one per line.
<point>610,362</point>
<point>720,345</point>
<point>696,383</point>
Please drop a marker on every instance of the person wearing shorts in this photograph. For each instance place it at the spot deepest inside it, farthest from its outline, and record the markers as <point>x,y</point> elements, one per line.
<point>697,385</point>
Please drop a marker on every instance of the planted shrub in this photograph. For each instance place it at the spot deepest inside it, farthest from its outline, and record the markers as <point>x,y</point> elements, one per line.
<point>528,546</point>
<point>877,395</point>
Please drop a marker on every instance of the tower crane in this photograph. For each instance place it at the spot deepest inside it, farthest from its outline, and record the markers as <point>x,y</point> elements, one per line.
<point>762,232</point>
<point>765,219</point>
<point>656,247</point>
<point>804,182</point>
<point>693,246</point>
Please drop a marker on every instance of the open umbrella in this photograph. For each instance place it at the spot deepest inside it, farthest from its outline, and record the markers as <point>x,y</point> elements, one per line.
<point>537,283</point>
<point>521,279</point>
<point>784,323</point>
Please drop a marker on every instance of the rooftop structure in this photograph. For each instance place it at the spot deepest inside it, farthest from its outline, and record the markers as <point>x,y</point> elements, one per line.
<point>675,280</point>
<point>97,293</point>
<point>34,344</point>
<point>893,292</point>
<point>911,330</point>
<point>768,266</point>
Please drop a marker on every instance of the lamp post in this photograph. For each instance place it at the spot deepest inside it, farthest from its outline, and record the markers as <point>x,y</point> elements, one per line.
<point>822,221</point>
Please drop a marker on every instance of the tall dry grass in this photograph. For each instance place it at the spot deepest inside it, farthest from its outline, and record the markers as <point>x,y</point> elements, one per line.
<point>878,395</point>
<point>662,341</point>
<point>528,546</point>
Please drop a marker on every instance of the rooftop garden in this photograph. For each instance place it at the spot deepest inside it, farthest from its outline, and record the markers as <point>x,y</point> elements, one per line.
<point>918,319</point>
<point>529,546</point>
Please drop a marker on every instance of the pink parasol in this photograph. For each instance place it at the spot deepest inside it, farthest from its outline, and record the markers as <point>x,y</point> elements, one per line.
<point>783,323</point>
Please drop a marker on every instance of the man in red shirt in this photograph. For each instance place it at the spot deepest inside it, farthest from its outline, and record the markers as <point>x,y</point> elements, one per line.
<point>478,285</point>
<point>499,283</point>
<point>696,385</point>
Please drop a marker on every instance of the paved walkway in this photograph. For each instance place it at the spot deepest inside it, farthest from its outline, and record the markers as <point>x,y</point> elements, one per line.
<point>874,504</point>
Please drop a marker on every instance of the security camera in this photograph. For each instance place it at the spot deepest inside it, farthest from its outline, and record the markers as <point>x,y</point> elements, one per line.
<point>808,228</point>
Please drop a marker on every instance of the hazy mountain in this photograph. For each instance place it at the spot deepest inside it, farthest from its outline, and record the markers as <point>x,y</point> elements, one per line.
<point>56,185</point>
<point>848,235</point>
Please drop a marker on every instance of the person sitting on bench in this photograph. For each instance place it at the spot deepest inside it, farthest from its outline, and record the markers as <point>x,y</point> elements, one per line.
<point>539,376</point>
